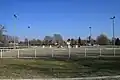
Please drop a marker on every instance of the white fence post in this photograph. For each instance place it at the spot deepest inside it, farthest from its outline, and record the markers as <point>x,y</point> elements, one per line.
<point>52,53</point>
<point>18,53</point>
<point>35,53</point>
<point>85,51</point>
<point>76,46</point>
<point>1,53</point>
<point>43,46</point>
<point>100,51</point>
<point>114,51</point>
<point>50,46</point>
<point>69,52</point>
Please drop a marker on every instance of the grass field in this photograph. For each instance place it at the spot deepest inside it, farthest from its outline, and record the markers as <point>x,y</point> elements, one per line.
<point>60,68</point>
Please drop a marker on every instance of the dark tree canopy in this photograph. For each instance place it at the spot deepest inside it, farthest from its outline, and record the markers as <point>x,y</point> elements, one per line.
<point>68,40</point>
<point>79,41</point>
<point>102,40</point>
<point>117,42</point>
<point>72,42</point>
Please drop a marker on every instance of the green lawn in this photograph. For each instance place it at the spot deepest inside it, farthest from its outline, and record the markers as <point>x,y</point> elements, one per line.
<point>62,68</point>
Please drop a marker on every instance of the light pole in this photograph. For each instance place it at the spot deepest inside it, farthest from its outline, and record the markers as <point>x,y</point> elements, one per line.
<point>15,26</point>
<point>28,39</point>
<point>113,21</point>
<point>90,34</point>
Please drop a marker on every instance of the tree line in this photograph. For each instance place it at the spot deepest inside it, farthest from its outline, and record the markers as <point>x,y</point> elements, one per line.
<point>56,39</point>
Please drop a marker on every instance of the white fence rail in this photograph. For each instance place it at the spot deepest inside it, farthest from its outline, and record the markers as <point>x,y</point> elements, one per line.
<point>59,52</point>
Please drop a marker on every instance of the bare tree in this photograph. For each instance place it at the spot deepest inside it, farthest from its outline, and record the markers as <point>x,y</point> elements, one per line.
<point>48,40</point>
<point>57,38</point>
<point>2,29</point>
<point>26,41</point>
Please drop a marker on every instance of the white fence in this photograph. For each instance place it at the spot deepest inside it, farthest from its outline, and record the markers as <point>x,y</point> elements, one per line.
<point>59,52</point>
